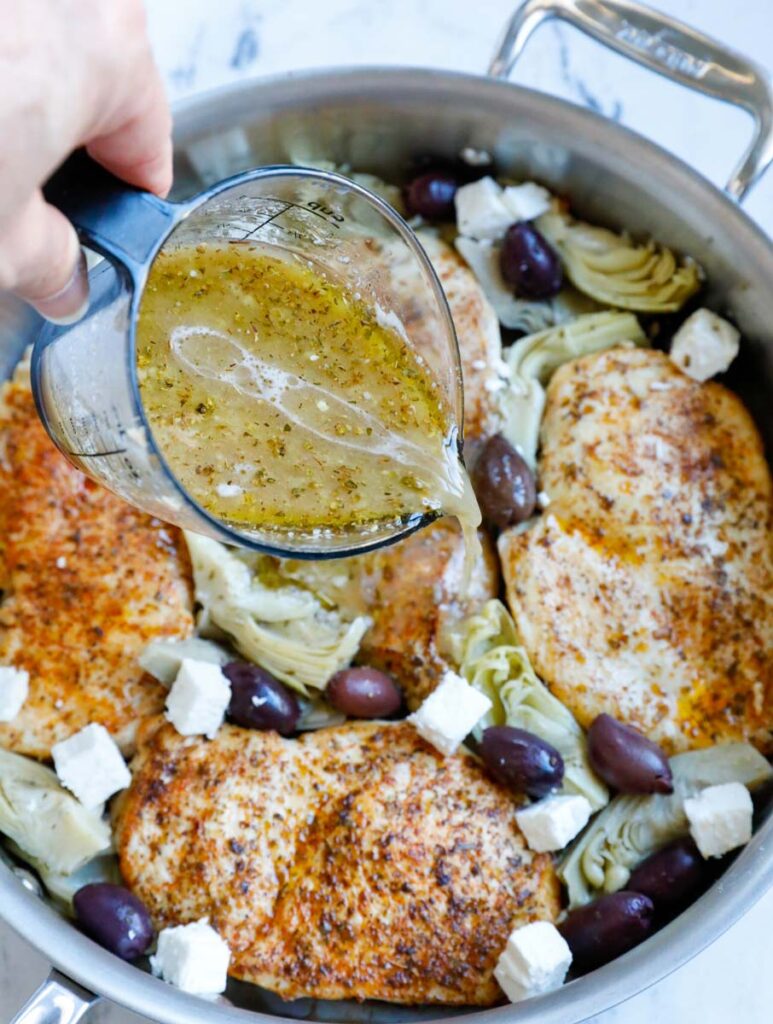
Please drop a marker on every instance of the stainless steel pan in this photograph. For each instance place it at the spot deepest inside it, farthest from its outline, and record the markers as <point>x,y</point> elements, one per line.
<point>376,119</point>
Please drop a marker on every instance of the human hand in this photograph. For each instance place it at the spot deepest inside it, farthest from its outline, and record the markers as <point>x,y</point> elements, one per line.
<point>72,73</point>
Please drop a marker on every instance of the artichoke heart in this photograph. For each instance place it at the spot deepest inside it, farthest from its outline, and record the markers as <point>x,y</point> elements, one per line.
<point>318,714</point>
<point>302,154</point>
<point>482,257</point>
<point>47,825</point>
<point>532,360</point>
<point>616,271</point>
<point>392,194</point>
<point>63,887</point>
<point>490,656</point>
<point>526,315</point>
<point>162,658</point>
<point>633,827</point>
<point>282,627</point>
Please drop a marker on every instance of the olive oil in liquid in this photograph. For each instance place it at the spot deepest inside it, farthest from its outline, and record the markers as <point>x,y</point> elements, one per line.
<point>281,402</point>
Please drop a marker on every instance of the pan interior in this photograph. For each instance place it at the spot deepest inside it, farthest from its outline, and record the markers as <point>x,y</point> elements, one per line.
<point>381,121</point>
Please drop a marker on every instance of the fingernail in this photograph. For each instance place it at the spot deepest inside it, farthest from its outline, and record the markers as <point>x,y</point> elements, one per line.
<point>70,303</point>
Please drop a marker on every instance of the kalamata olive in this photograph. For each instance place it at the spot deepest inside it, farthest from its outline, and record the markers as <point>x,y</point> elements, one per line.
<point>470,165</point>
<point>431,195</point>
<point>529,264</point>
<point>673,876</point>
<point>258,701</point>
<point>364,693</point>
<point>607,928</point>
<point>115,918</point>
<point>521,760</point>
<point>626,759</point>
<point>504,484</point>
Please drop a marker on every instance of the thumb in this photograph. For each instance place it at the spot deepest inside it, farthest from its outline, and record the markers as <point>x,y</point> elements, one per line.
<point>42,262</point>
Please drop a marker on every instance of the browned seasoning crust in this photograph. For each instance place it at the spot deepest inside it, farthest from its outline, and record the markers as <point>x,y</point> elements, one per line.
<point>479,337</point>
<point>354,862</point>
<point>413,591</point>
<point>87,581</point>
<point>646,589</point>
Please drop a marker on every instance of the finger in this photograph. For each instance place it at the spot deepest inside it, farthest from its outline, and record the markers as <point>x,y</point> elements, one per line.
<point>139,148</point>
<point>42,262</point>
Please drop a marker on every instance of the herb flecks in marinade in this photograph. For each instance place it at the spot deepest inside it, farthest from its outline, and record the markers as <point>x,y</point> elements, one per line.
<point>281,401</point>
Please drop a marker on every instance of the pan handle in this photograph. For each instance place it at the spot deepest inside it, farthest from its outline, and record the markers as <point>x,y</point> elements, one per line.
<point>57,1001</point>
<point>668,47</point>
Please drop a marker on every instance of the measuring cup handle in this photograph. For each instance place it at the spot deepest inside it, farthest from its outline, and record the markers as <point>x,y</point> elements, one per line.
<point>110,216</point>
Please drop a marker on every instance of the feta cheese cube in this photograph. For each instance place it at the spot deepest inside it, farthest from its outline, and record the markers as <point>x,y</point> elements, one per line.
<point>535,960</point>
<point>553,822</point>
<point>193,958</point>
<point>704,345</point>
<point>14,688</point>
<point>450,712</point>
<point>481,211</point>
<point>199,698</point>
<point>720,818</point>
<point>90,765</point>
<point>527,201</point>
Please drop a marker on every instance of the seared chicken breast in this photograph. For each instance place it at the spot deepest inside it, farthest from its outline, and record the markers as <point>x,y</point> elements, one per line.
<point>646,588</point>
<point>354,862</point>
<point>478,334</point>
<point>87,581</point>
<point>414,593</point>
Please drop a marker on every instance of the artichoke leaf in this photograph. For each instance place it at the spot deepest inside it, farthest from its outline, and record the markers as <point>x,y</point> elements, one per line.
<point>633,827</point>
<point>488,650</point>
<point>616,271</point>
<point>570,303</point>
<point>538,356</point>
<point>392,194</point>
<point>220,575</point>
<point>62,887</point>
<point>162,658</point>
<point>304,155</point>
<point>482,257</point>
<point>318,714</point>
<point>48,826</point>
<point>283,628</point>
<point>522,404</point>
<point>532,360</point>
<point>336,582</point>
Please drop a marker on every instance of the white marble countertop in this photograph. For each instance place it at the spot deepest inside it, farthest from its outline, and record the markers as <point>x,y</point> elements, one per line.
<point>202,43</point>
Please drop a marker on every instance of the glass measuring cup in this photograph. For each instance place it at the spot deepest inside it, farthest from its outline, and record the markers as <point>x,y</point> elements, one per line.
<point>84,376</point>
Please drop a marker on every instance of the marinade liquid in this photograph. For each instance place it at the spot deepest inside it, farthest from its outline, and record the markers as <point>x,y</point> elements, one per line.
<point>282,401</point>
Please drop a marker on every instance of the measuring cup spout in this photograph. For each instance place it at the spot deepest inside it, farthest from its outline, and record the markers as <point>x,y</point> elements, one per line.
<point>110,216</point>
